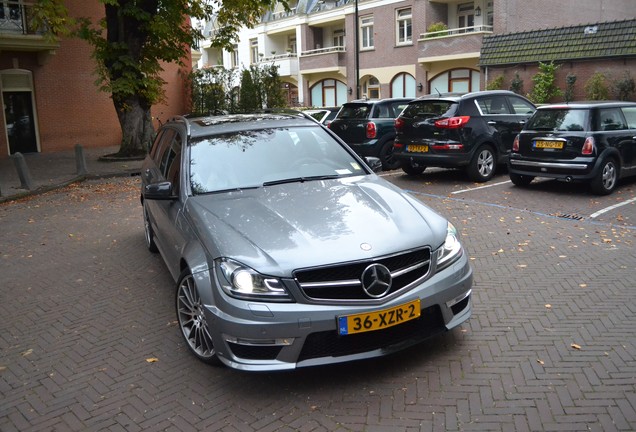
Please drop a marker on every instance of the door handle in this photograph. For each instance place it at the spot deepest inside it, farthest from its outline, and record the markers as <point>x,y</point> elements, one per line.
<point>492,123</point>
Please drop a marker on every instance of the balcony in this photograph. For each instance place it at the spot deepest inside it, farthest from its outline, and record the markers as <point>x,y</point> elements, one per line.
<point>453,42</point>
<point>287,63</point>
<point>329,59</point>
<point>17,32</point>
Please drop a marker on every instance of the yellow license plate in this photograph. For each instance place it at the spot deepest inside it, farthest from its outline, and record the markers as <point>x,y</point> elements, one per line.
<point>548,144</point>
<point>417,148</point>
<point>364,322</point>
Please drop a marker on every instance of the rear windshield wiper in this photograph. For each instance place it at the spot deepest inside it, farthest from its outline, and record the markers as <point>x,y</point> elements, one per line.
<point>301,179</point>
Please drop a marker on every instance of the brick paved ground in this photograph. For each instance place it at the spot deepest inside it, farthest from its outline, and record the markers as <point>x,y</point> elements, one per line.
<point>551,344</point>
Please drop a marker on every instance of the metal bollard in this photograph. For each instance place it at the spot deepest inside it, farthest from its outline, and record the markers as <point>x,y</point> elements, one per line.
<point>23,171</point>
<point>80,160</point>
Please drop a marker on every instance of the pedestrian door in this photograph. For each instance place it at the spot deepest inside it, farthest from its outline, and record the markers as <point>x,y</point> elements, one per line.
<point>19,111</point>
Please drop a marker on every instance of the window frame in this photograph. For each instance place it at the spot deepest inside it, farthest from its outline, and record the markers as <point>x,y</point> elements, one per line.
<point>404,27</point>
<point>366,25</point>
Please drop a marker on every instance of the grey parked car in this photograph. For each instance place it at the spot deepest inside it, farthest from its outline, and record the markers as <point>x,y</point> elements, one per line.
<point>289,251</point>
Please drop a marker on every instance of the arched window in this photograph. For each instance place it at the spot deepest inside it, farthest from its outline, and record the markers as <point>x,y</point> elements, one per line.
<point>403,85</point>
<point>328,92</point>
<point>455,81</point>
<point>371,88</point>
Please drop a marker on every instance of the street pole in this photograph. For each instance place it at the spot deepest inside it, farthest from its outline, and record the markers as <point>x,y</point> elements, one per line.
<point>357,50</point>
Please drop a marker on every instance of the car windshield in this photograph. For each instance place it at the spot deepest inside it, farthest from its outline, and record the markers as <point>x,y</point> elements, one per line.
<point>354,111</point>
<point>255,158</point>
<point>562,119</point>
<point>430,109</point>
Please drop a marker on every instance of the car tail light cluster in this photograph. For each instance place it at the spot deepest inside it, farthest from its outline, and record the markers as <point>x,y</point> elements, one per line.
<point>399,124</point>
<point>372,131</point>
<point>515,144</point>
<point>588,146</point>
<point>452,122</point>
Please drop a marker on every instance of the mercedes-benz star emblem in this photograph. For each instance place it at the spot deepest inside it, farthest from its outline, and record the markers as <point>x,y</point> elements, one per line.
<point>376,280</point>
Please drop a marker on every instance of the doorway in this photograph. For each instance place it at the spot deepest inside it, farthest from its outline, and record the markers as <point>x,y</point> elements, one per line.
<point>20,114</point>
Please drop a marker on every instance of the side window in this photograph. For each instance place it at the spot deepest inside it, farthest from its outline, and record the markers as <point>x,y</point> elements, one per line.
<point>161,146</point>
<point>155,145</point>
<point>521,106</point>
<point>174,163</point>
<point>494,105</point>
<point>611,119</point>
<point>630,116</point>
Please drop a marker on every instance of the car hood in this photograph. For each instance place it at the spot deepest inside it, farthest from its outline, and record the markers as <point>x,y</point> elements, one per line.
<point>278,229</point>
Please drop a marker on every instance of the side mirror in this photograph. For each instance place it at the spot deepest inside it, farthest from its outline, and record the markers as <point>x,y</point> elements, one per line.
<point>374,163</point>
<point>159,191</point>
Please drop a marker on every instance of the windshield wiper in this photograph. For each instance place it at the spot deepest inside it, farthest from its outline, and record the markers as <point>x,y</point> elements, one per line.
<point>301,179</point>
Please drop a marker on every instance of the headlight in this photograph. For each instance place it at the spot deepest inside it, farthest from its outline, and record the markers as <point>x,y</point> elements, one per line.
<point>451,250</point>
<point>243,282</point>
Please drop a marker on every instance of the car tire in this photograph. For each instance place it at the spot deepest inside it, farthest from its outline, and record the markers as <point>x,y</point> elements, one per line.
<point>520,180</point>
<point>605,181</point>
<point>149,234</point>
<point>192,321</point>
<point>483,164</point>
<point>413,169</point>
<point>389,162</point>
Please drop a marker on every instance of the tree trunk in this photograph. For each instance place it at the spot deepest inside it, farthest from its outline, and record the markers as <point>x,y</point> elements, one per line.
<point>136,126</point>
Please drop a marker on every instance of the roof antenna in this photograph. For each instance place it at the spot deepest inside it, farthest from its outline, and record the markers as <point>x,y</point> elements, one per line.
<point>438,93</point>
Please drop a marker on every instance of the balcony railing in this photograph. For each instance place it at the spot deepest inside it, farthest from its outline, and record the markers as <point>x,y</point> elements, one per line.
<point>456,31</point>
<point>283,14</point>
<point>323,50</point>
<point>275,57</point>
<point>16,17</point>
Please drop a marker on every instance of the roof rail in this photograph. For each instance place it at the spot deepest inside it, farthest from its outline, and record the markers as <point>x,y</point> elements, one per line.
<point>182,119</point>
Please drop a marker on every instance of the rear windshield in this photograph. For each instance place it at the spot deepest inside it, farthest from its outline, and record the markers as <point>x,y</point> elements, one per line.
<point>354,112</point>
<point>428,109</point>
<point>562,119</point>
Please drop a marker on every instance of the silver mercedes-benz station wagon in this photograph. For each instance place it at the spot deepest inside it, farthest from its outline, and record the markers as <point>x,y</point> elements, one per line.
<point>289,251</point>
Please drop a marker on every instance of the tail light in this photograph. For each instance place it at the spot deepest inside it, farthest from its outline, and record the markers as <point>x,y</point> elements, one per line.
<point>452,122</point>
<point>399,124</point>
<point>588,146</point>
<point>515,144</point>
<point>371,130</point>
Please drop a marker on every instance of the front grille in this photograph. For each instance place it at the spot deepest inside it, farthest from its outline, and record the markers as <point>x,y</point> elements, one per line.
<point>331,344</point>
<point>342,282</point>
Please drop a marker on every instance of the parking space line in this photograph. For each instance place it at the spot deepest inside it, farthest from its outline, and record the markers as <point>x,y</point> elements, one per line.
<point>612,207</point>
<point>480,187</point>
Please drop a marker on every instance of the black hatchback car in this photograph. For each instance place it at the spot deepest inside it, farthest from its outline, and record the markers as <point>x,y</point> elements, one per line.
<point>367,126</point>
<point>591,142</point>
<point>474,131</point>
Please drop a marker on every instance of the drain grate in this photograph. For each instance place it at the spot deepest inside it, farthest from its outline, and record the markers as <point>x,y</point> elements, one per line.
<point>568,216</point>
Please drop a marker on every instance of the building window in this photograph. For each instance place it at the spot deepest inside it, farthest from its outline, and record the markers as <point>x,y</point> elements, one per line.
<point>366,30</point>
<point>339,38</point>
<point>291,45</point>
<point>489,14</point>
<point>403,26</point>
<point>234,57</point>
<point>456,81</point>
<point>371,88</point>
<point>328,92</point>
<point>254,50</point>
<point>466,16</point>
<point>403,85</point>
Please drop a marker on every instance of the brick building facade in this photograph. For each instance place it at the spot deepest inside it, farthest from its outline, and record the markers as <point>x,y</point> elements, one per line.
<point>49,89</point>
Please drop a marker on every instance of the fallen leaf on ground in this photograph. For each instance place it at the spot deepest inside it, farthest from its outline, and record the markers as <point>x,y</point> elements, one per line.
<point>575,346</point>
<point>152,360</point>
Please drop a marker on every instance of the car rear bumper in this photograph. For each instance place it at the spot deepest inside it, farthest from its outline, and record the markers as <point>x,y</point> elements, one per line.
<point>256,336</point>
<point>446,160</point>
<point>581,169</point>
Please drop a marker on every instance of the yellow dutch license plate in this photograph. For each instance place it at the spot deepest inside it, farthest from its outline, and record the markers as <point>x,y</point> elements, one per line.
<point>378,320</point>
<point>417,148</point>
<point>548,144</point>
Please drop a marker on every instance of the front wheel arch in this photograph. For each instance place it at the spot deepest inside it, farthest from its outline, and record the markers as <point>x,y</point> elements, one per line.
<point>483,164</point>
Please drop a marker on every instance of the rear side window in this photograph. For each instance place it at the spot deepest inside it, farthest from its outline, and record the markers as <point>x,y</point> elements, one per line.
<point>611,119</point>
<point>354,112</point>
<point>630,116</point>
<point>559,120</point>
<point>521,106</point>
<point>494,105</point>
<point>430,109</point>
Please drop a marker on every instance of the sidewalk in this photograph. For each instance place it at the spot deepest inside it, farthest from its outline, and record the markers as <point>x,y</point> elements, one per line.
<point>52,170</point>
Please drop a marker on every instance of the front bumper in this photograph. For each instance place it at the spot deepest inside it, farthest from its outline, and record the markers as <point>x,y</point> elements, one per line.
<point>255,336</point>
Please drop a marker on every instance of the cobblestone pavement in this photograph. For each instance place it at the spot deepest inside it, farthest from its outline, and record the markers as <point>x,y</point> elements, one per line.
<point>88,339</point>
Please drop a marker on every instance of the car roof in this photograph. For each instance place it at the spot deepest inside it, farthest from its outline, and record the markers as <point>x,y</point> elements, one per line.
<point>219,124</point>
<point>588,104</point>
<point>376,101</point>
<point>455,97</point>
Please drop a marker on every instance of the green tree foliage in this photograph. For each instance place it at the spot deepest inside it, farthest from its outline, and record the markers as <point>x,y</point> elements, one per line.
<point>570,80</point>
<point>596,87</point>
<point>261,88</point>
<point>496,84</point>
<point>516,85</point>
<point>212,91</point>
<point>250,97</point>
<point>133,40</point>
<point>545,88</point>
<point>624,87</point>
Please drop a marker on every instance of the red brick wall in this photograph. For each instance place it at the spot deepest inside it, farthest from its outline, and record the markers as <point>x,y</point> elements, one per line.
<point>612,69</point>
<point>70,109</point>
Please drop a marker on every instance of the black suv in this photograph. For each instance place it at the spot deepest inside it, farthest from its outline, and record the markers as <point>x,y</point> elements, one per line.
<point>368,127</point>
<point>592,142</point>
<point>473,131</point>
